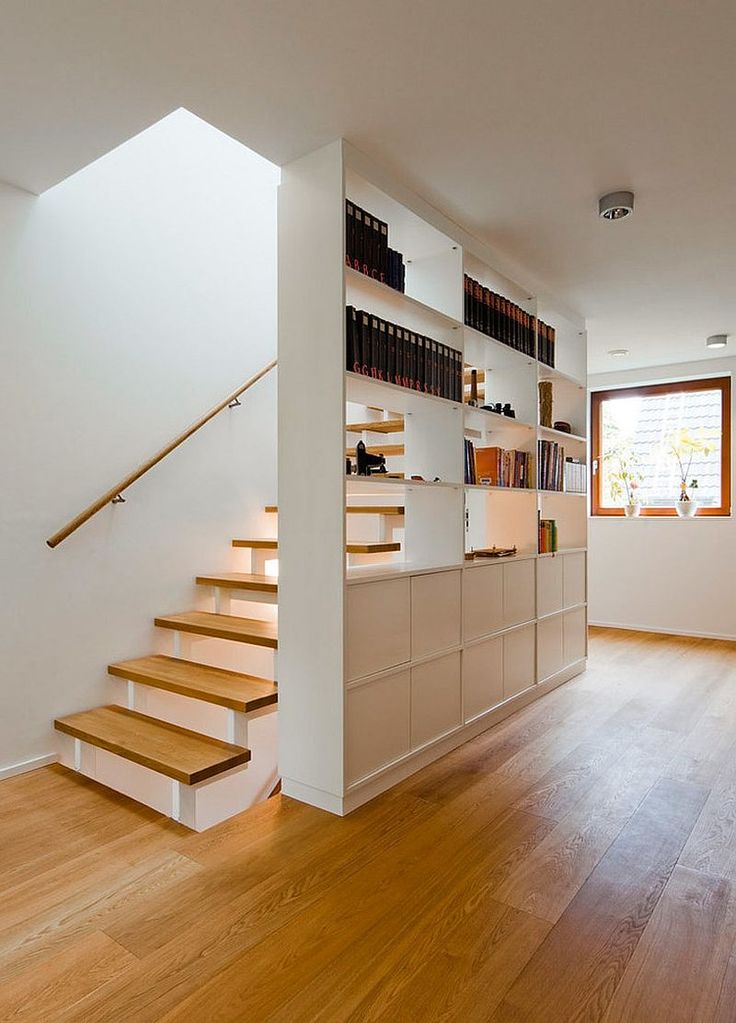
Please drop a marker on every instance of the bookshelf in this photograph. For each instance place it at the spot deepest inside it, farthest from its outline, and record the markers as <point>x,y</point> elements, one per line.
<point>388,660</point>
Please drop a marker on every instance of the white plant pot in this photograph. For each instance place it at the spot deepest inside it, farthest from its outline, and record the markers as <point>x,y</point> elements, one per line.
<point>686,509</point>
<point>631,511</point>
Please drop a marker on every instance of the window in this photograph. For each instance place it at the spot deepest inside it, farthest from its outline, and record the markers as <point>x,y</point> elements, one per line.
<point>653,435</point>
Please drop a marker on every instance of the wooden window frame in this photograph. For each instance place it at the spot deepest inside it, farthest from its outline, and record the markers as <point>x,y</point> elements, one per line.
<point>722,384</point>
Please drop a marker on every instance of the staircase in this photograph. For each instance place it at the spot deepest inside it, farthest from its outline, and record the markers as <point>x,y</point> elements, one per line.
<point>157,757</point>
<point>146,747</point>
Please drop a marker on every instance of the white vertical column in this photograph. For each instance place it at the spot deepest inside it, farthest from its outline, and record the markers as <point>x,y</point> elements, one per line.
<point>311,388</point>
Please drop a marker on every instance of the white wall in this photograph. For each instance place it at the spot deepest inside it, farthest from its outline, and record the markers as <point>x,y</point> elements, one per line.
<point>133,297</point>
<point>665,575</point>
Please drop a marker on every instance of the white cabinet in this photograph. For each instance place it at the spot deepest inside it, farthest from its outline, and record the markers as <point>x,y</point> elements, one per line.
<point>436,698</point>
<point>482,601</point>
<point>550,656</point>
<point>482,676</point>
<point>377,724</point>
<point>519,597</point>
<point>519,656</point>
<point>549,585</point>
<point>575,635</point>
<point>574,588</point>
<point>378,618</point>
<point>435,612</point>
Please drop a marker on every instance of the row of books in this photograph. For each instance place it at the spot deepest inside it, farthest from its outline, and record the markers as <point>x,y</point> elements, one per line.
<point>507,322</point>
<point>497,467</point>
<point>550,465</point>
<point>576,476</point>
<point>386,351</point>
<point>367,249</point>
<point>547,536</point>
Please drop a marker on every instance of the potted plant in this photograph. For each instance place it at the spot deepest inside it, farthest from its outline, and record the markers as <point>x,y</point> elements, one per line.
<point>684,445</point>
<point>624,479</point>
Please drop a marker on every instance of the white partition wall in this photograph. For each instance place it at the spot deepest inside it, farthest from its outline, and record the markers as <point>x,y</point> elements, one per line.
<point>396,642</point>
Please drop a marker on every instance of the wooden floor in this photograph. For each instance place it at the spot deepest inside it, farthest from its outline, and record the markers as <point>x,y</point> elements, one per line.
<point>577,863</point>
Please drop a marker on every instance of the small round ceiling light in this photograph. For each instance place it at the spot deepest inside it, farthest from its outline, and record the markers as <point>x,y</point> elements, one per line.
<point>616,205</point>
<point>717,341</point>
<point>618,353</point>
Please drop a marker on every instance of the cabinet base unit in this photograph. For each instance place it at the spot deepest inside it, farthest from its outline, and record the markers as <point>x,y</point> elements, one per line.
<point>415,607</point>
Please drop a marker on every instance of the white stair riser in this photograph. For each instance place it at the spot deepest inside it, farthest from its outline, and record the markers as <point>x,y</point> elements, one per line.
<point>220,653</point>
<point>198,806</point>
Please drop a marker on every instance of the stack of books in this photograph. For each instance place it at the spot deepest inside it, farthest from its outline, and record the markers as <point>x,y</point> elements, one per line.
<point>546,343</point>
<point>367,249</point>
<point>547,536</point>
<point>498,317</point>
<point>386,351</point>
<point>576,476</point>
<point>551,465</point>
<point>497,467</point>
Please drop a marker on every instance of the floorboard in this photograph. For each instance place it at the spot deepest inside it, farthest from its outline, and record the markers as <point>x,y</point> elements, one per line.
<point>574,864</point>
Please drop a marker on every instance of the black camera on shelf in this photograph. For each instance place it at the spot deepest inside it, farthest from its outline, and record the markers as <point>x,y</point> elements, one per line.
<point>501,408</point>
<point>368,465</point>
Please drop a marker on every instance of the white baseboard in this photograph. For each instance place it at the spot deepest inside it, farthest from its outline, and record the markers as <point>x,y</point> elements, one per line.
<point>28,765</point>
<point>663,632</point>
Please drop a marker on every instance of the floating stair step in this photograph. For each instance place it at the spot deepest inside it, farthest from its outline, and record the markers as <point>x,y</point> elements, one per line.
<point>375,509</point>
<point>199,681</point>
<point>362,509</point>
<point>377,426</point>
<point>177,752</point>
<point>207,623</point>
<point>271,508</point>
<point>372,548</point>
<point>389,450</point>
<point>240,581</point>
<point>258,545</point>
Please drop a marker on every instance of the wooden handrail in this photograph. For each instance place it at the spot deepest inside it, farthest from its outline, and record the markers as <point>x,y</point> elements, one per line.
<point>117,490</point>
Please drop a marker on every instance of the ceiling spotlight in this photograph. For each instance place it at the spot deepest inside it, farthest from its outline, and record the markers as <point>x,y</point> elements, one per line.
<point>717,341</point>
<point>618,353</point>
<point>616,205</point>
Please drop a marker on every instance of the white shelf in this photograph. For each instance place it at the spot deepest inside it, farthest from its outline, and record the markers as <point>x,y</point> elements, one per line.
<point>549,431</point>
<point>374,573</point>
<point>381,479</point>
<point>365,390</point>
<point>501,490</point>
<point>562,493</point>
<point>358,281</point>
<point>499,420</point>
<point>550,373</point>
<point>564,550</point>
<point>508,353</point>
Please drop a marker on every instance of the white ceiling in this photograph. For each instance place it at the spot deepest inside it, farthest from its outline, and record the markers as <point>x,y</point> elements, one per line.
<point>511,116</point>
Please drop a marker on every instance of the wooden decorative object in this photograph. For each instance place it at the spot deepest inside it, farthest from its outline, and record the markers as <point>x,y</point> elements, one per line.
<point>545,403</point>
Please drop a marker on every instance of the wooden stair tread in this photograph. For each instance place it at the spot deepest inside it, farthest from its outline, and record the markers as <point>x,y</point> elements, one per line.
<point>240,581</point>
<point>176,752</point>
<point>199,681</point>
<point>389,450</point>
<point>372,548</point>
<point>377,426</point>
<point>375,509</point>
<point>207,623</point>
<point>362,509</point>
<point>258,545</point>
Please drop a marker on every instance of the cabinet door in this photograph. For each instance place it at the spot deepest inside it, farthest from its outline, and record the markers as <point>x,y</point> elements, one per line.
<point>482,676</point>
<point>435,612</point>
<point>574,579</point>
<point>377,724</point>
<point>519,596</point>
<point>549,585</point>
<point>519,656</point>
<point>575,635</point>
<point>378,626</point>
<point>436,699</point>
<point>550,658</point>
<point>482,601</point>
